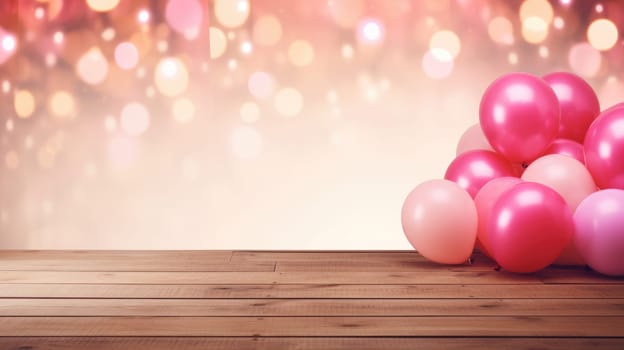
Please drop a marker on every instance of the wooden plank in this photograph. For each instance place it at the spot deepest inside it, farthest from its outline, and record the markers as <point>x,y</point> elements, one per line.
<point>521,326</point>
<point>215,255</point>
<point>317,291</point>
<point>316,343</point>
<point>311,307</point>
<point>373,265</point>
<point>446,277</point>
<point>170,264</point>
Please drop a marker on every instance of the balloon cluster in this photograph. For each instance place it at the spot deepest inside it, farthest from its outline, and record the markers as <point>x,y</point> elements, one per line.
<point>539,181</point>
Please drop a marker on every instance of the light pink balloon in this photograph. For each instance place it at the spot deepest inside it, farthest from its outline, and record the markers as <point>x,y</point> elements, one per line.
<point>472,139</point>
<point>568,177</point>
<point>440,221</point>
<point>599,235</point>
<point>484,201</point>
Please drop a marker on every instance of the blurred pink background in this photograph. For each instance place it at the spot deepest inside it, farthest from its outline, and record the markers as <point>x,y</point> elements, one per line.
<point>267,124</point>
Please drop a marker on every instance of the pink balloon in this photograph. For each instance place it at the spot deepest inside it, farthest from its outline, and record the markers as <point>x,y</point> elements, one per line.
<point>529,227</point>
<point>578,101</point>
<point>473,139</point>
<point>567,148</point>
<point>473,169</point>
<point>426,222</point>
<point>604,149</point>
<point>519,114</point>
<point>484,201</point>
<point>572,181</point>
<point>617,105</point>
<point>599,233</point>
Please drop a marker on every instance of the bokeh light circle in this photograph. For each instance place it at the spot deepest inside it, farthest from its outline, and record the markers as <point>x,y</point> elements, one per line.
<point>184,16</point>
<point>446,40</point>
<point>62,105</point>
<point>536,8</point>
<point>249,112</point>
<point>134,119</point>
<point>261,85</point>
<point>301,53</point>
<point>24,103</point>
<point>231,13</point>
<point>500,30</point>
<point>584,60</point>
<point>346,13</point>
<point>218,42</point>
<point>534,30</point>
<point>102,5</point>
<point>437,64</point>
<point>92,67</point>
<point>602,34</point>
<point>267,31</point>
<point>288,102</point>
<point>370,31</point>
<point>171,77</point>
<point>183,110</point>
<point>126,55</point>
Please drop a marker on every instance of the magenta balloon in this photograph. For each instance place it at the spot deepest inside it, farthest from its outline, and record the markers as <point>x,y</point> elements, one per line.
<point>472,139</point>
<point>578,101</point>
<point>599,235</point>
<point>485,200</point>
<point>604,149</point>
<point>568,148</point>
<point>529,227</point>
<point>519,114</point>
<point>440,221</point>
<point>473,169</point>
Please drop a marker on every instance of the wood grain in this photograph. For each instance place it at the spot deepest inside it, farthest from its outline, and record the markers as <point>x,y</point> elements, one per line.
<point>314,343</point>
<point>296,299</point>
<point>311,307</point>
<point>468,326</point>
<point>313,291</point>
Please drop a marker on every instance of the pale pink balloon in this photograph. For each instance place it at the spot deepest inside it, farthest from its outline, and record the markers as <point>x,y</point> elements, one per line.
<point>568,177</point>
<point>484,201</point>
<point>472,139</point>
<point>599,235</point>
<point>440,221</point>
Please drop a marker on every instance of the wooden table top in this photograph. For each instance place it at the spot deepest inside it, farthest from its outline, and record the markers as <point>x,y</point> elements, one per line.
<point>150,300</point>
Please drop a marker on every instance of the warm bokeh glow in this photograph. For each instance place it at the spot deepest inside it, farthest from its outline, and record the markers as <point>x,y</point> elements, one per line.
<point>134,119</point>
<point>171,77</point>
<point>183,110</point>
<point>102,5</point>
<point>602,34</point>
<point>24,103</point>
<point>231,13</point>
<point>288,102</point>
<point>92,67</point>
<point>301,53</point>
<point>267,30</point>
<point>267,124</point>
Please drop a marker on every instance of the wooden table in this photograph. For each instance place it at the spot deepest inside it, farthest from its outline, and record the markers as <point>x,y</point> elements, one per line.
<point>150,300</point>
